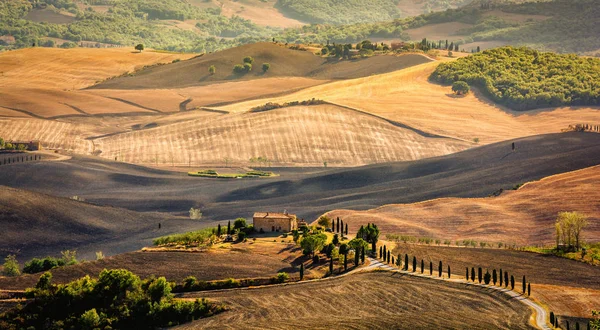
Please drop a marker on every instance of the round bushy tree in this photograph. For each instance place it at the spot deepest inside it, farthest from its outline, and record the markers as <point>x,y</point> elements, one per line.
<point>460,87</point>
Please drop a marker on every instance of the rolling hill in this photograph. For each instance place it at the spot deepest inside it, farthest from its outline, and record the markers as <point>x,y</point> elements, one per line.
<point>525,216</point>
<point>37,224</point>
<point>284,62</point>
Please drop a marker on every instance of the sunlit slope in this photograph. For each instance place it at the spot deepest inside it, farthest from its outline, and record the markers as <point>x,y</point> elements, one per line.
<point>305,135</point>
<point>524,217</point>
<point>406,96</point>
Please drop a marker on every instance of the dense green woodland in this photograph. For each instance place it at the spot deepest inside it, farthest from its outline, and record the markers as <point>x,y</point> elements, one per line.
<point>118,299</point>
<point>523,78</point>
<point>340,11</point>
<point>572,26</point>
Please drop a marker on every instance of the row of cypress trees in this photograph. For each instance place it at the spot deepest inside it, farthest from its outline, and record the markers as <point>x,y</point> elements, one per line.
<point>338,227</point>
<point>503,279</point>
<point>385,255</point>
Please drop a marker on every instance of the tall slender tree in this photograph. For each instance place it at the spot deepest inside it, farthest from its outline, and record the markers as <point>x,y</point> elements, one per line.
<point>414,264</point>
<point>467,274</point>
<point>505,279</point>
<point>362,255</point>
<point>388,257</point>
<point>501,277</point>
<point>524,285</point>
<point>219,230</point>
<point>356,257</point>
<point>480,275</point>
<point>528,289</point>
<point>473,274</point>
<point>338,225</point>
<point>448,271</point>
<point>440,269</point>
<point>229,227</point>
<point>346,229</point>
<point>345,261</point>
<point>512,282</point>
<point>431,268</point>
<point>494,277</point>
<point>422,266</point>
<point>333,226</point>
<point>384,252</point>
<point>380,252</point>
<point>406,261</point>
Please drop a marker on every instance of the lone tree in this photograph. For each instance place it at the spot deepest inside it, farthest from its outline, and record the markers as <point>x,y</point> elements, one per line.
<point>212,70</point>
<point>139,47</point>
<point>460,87</point>
<point>266,67</point>
<point>569,226</point>
<point>11,266</point>
<point>249,60</point>
<point>324,221</point>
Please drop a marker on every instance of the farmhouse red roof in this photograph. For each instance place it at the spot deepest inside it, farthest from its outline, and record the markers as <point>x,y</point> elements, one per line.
<point>272,215</point>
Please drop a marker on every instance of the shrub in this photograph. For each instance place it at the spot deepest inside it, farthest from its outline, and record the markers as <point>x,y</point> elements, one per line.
<point>99,255</point>
<point>247,67</point>
<point>239,69</point>
<point>460,87</point>
<point>139,47</point>
<point>212,70</point>
<point>248,60</point>
<point>242,236</point>
<point>195,214</point>
<point>266,67</point>
<point>239,223</point>
<point>282,277</point>
<point>11,266</point>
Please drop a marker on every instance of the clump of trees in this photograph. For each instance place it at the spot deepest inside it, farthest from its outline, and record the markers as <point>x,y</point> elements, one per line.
<point>460,87</point>
<point>245,67</point>
<point>11,266</point>
<point>523,78</point>
<point>118,299</point>
<point>568,229</point>
<point>36,265</point>
<point>370,234</point>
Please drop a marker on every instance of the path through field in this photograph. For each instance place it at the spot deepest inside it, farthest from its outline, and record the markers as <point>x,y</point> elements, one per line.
<point>541,316</point>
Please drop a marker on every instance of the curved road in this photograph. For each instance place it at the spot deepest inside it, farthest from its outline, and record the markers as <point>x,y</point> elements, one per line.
<point>541,314</point>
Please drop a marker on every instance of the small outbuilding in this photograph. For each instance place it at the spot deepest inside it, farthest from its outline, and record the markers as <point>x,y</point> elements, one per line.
<point>274,222</point>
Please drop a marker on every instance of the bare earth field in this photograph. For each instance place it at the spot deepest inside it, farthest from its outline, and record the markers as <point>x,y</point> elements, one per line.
<point>568,287</point>
<point>522,217</point>
<point>379,300</point>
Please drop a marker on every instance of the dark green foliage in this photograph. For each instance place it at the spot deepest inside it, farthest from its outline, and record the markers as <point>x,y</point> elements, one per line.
<point>512,282</point>
<point>338,226</point>
<point>356,257</point>
<point>487,277</point>
<point>430,268</point>
<point>467,273</point>
<point>229,227</point>
<point>480,274</point>
<point>449,274</point>
<point>529,289</point>
<point>362,255</point>
<point>388,257</point>
<point>524,284</point>
<point>440,269</point>
<point>505,279</point>
<point>422,266</point>
<point>473,274</point>
<point>380,252</point>
<point>500,277</point>
<point>384,252</point>
<point>315,242</point>
<point>414,265</point>
<point>239,223</point>
<point>139,47</point>
<point>524,79</point>
<point>340,11</point>
<point>219,230</point>
<point>118,299</point>
<point>266,67</point>
<point>36,265</point>
<point>393,260</point>
<point>346,229</point>
<point>494,277</point>
<point>460,87</point>
<point>552,318</point>
<point>406,262</point>
<point>336,241</point>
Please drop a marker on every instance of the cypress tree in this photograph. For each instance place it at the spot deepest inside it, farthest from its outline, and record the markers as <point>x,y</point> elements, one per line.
<point>388,257</point>
<point>467,274</point>
<point>380,252</point>
<point>338,225</point>
<point>406,262</point>
<point>393,261</point>
<point>556,322</point>
<point>346,229</point>
<point>473,274</point>
<point>440,269</point>
<point>524,285</point>
<point>589,326</point>
<point>500,276</point>
<point>229,227</point>
<point>552,318</point>
<point>505,279</point>
<point>528,289</point>
<point>332,226</point>
<point>331,265</point>
<point>219,230</point>
<point>576,325</point>
<point>494,277</point>
<point>362,256</point>
<point>345,261</point>
<point>301,272</point>
<point>356,258</point>
<point>384,252</point>
<point>512,282</point>
<point>431,268</point>
<point>568,325</point>
<point>448,271</point>
<point>480,275</point>
<point>422,266</point>
<point>414,264</point>
<point>399,259</point>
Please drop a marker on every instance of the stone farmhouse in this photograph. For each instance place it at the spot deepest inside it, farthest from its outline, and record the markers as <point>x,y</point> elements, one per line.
<point>274,222</point>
